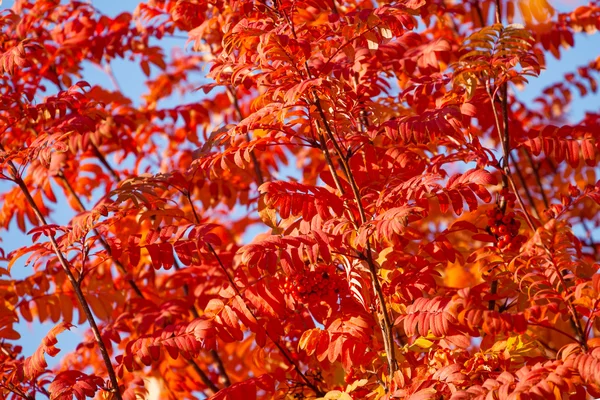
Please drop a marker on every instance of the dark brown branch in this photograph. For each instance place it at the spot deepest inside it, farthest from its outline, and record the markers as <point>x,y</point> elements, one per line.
<point>17,391</point>
<point>203,377</point>
<point>260,180</point>
<point>213,353</point>
<point>475,4</point>
<point>329,162</point>
<point>73,281</point>
<point>387,326</point>
<point>104,162</point>
<point>591,243</point>
<point>575,320</point>
<point>504,137</point>
<point>387,330</point>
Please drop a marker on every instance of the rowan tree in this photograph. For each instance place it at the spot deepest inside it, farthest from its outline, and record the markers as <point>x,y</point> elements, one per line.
<point>436,242</point>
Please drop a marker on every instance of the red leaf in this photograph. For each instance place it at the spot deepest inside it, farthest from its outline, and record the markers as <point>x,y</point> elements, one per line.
<point>74,383</point>
<point>36,364</point>
<point>246,389</point>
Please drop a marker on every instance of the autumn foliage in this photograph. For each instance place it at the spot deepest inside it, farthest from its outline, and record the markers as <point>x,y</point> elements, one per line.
<point>435,239</point>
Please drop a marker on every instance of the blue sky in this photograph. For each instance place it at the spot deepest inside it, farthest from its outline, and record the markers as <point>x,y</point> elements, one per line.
<point>132,80</point>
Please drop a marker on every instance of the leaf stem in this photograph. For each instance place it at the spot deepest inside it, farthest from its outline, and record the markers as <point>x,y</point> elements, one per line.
<point>213,352</point>
<point>104,162</point>
<point>538,180</point>
<point>575,320</point>
<point>525,188</point>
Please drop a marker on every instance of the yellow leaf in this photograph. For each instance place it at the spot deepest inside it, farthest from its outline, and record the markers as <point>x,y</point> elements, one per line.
<point>458,276</point>
<point>258,133</point>
<point>379,392</point>
<point>420,344</point>
<point>336,394</point>
<point>499,346</point>
<point>268,215</point>
<point>382,258</point>
<point>540,10</point>
<point>333,394</point>
<point>356,384</point>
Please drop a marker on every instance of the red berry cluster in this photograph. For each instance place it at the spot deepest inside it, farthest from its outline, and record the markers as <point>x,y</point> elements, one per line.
<point>314,284</point>
<point>504,226</point>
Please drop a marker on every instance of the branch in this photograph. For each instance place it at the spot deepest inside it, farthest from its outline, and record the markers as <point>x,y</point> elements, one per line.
<point>239,293</point>
<point>260,180</point>
<point>94,146</point>
<point>538,179</point>
<point>575,320</point>
<point>387,330</point>
<point>536,174</point>
<point>475,4</point>
<point>17,391</point>
<point>503,134</point>
<point>203,377</point>
<point>104,162</point>
<point>73,281</point>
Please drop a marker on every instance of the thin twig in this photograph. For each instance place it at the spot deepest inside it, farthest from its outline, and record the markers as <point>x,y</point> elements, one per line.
<point>204,378</point>
<point>575,320</point>
<point>94,145</point>
<point>108,69</point>
<point>538,179</point>
<point>106,246</point>
<point>16,390</point>
<point>104,162</point>
<point>213,352</point>
<point>525,188</point>
<point>504,137</point>
<point>475,4</point>
<point>260,180</point>
<point>498,12</point>
<point>236,105</point>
